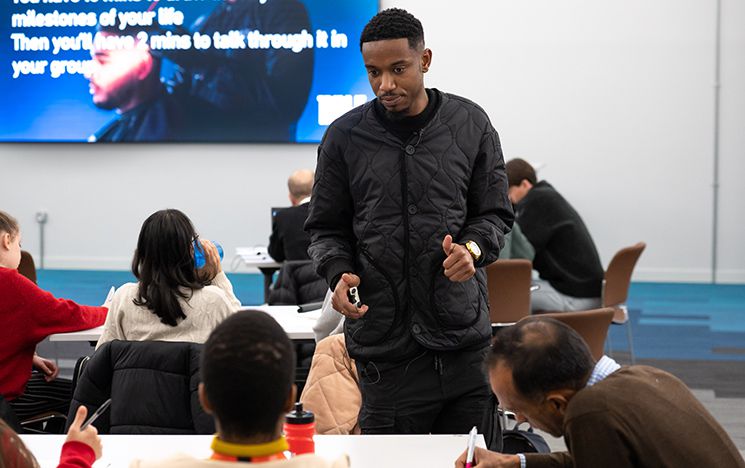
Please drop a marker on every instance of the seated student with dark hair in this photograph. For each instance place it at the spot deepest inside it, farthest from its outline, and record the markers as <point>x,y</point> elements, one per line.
<point>565,255</point>
<point>610,416</point>
<point>248,368</point>
<point>172,299</point>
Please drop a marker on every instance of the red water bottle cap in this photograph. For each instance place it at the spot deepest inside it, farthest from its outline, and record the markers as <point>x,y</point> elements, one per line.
<point>299,416</point>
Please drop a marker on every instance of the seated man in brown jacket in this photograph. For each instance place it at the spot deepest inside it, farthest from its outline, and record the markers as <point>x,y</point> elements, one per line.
<point>610,416</point>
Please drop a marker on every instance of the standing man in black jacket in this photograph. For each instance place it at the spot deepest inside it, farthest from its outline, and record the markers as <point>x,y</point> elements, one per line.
<point>565,255</point>
<point>410,200</point>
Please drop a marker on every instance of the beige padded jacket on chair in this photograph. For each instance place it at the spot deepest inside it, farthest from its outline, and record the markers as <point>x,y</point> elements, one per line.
<point>332,392</point>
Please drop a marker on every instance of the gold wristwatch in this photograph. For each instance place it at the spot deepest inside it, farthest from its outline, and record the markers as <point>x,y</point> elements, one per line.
<point>474,249</point>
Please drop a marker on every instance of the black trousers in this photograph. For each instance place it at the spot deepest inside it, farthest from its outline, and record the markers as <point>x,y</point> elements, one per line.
<point>435,392</point>
<point>42,396</point>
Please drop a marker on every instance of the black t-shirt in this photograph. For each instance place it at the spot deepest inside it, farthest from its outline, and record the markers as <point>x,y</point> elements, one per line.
<point>404,127</point>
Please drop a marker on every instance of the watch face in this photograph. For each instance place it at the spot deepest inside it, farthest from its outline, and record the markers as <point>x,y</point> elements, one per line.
<point>474,248</point>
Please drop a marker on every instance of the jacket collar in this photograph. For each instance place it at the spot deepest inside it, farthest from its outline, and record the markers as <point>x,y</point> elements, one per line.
<point>228,451</point>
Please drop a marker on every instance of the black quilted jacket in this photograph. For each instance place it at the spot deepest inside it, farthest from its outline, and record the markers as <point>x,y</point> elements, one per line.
<point>297,283</point>
<point>152,386</point>
<point>381,208</point>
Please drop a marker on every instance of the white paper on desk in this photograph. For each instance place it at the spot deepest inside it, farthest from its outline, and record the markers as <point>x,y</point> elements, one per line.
<point>258,252</point>
<point>109,297</point>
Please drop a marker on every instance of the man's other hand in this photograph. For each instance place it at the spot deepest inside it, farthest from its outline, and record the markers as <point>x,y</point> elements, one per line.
<point>340,299</point>
<point>458,263</point>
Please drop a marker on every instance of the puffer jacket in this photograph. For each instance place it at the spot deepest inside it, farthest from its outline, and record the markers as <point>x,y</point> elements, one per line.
<point>297,283</point>
<point>332,391</point>
<point>152,385</point>
<point>381,208</point>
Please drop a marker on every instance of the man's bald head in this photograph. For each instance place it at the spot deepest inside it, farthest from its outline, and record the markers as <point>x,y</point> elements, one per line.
<point>543,354</point>
<point>300,184</point>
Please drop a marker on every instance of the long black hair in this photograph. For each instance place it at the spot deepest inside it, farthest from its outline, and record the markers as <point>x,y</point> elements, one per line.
<point>164,264</point>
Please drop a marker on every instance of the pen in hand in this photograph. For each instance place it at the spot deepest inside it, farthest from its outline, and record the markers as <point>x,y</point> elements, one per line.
<point>96,414</point>
<point>471,447</point>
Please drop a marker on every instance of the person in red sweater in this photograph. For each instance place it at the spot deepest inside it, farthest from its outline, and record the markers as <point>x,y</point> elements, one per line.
<point>80,450</point>
<point>29,314</point>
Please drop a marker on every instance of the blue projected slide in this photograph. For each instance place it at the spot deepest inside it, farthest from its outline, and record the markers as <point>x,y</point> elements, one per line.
<point>179,70</point>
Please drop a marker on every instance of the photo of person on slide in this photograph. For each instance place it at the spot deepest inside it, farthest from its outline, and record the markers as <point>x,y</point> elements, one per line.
<point>260,92</point>
<point>127,79</point>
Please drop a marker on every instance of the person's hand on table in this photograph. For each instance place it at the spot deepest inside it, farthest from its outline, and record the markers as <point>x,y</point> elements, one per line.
<point>458,263</point>
<point>89,436</point>
<point>483,458</point>
<point>46,366</point>
<point>212,265</point>
<point>340,299</point>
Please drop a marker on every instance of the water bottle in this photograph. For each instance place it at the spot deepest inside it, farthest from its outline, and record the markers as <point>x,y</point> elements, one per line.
<point>299,429</point>
<point>199,259</point>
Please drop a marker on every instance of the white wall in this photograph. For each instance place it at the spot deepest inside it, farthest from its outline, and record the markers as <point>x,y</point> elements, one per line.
<point>615,98</point>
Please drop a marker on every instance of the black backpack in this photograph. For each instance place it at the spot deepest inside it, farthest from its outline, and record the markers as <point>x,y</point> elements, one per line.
<point>513,440</point>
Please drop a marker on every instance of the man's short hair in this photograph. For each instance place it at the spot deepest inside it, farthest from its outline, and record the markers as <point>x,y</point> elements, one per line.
<point>543,355</point>
<point>300,183</point>
<point>394,23</point>
<point>248,369</point>
<point>518,170</point>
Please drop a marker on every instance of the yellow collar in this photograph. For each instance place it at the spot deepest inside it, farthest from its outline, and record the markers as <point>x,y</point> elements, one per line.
<point>249,450</point>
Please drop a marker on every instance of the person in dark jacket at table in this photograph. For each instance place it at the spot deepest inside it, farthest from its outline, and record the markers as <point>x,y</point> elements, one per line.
<point>409,203</point>
<point>247,372</point>
<point>297,282</point>
<point>288,240</point>
<point>566,259</point>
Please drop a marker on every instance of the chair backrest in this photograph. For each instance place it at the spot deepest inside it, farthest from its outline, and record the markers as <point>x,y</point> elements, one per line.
<point>27,267</point>
<point>618,275</point>
<point>152,385</point>
<point>297,283</point>
<point>592,325</point>
<point>508,282</point>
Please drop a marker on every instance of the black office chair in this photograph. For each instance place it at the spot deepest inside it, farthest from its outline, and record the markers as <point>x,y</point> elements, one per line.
<point>153,386</point>
<point>8,415</point>
<point>297,283</point>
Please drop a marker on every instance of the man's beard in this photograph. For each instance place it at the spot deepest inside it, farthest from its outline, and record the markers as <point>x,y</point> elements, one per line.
<point>105,105</point>
<point>396,116</point>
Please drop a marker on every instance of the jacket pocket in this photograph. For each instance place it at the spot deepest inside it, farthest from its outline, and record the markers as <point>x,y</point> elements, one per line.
<point>455,305</point>
<point>378,292</point>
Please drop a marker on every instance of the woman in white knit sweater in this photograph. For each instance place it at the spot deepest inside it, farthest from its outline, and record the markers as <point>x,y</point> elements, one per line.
<point>172,300</point>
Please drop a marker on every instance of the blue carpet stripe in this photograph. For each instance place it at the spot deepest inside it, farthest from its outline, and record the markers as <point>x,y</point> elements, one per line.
<point>669,320</point>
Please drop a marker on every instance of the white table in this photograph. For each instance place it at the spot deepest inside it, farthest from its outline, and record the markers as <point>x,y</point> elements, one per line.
<point>299,326</point>
<point>364,451</point>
